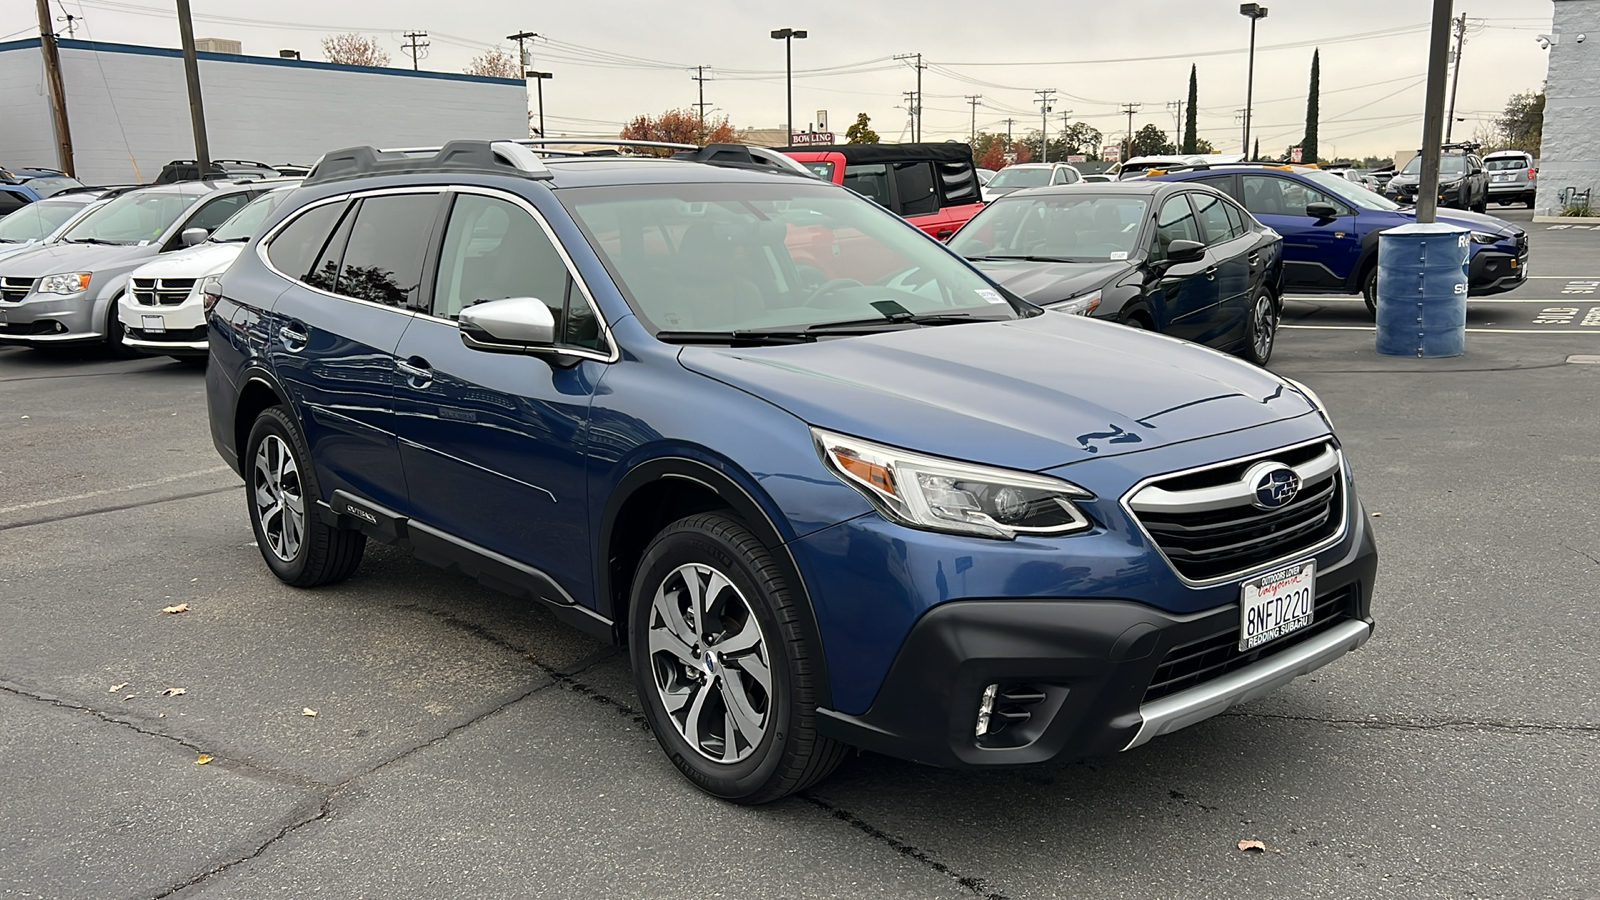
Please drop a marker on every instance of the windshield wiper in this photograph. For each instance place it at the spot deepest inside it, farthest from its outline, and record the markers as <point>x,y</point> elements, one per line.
<point>737,337</point>
<point>901,318</point>
<point>95,241</point>
<point>237,240</point>
<point>1034,258</point>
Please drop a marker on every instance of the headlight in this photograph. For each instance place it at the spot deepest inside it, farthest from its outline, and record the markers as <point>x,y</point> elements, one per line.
<point>1081,305</point>
<point>950,496</point>
<point>1484,237</point>
<point>70,283</point>
<point>1315,401</point>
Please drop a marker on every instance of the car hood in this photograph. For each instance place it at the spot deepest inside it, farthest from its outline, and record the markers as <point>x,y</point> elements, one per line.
<point>1462,218</point>
<point>9,250</point>
<point>195,262</point>
<point>1027,394</point>
<point>1049,282</point>
<point>52,259</point>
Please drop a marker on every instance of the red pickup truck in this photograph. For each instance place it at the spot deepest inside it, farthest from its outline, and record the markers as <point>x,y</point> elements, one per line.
<point>934,186</point>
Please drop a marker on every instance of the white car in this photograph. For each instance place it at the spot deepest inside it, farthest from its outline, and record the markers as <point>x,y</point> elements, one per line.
<point>1021,176</point>
<point>161,312</point>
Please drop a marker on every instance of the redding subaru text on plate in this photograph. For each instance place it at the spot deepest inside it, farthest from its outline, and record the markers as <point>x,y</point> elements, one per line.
<point>828,484</point>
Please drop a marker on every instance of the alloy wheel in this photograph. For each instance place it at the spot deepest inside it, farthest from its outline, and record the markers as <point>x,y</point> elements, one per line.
<point>709,662</point>
<point>279,498</point>
<point>1264,326</point>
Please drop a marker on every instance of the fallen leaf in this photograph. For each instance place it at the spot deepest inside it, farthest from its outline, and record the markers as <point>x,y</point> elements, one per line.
<point>202,759</point>
<point>174,692</point>
<point>193,580</point>
<point>116,687</point>
<point>181,607</point>
<point>308,711</point>
<point>1249,846</point>
<point>25,417</point>
<point>1377,515</point>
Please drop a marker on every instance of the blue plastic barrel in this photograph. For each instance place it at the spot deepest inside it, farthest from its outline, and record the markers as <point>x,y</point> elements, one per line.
<point>1422,290</point>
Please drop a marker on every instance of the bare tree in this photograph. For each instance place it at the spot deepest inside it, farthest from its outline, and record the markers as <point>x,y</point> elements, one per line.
<point>354,49</point>
<point>495,63</point>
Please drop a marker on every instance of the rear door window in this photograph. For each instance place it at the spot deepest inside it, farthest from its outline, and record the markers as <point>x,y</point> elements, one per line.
<point>383,258</point>
<point>914,182</point>
<point>1214,218</point>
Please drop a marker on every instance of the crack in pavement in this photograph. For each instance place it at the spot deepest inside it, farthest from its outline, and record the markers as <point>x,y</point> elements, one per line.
<point>1591,557</point>
<point>1404,725</point>
<point>100,510</point>
<point>973,884</point>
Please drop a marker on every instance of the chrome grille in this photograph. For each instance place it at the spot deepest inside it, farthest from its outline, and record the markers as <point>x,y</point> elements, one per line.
<point>1207,526</point>
<point>12,290</point>
<point>161,291</point>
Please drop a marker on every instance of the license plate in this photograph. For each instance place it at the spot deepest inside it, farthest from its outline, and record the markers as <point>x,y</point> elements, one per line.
<point>154,324</point>
<point>1276,604</point>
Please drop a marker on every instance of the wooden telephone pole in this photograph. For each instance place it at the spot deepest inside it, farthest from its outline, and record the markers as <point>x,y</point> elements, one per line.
<point>58,92</point>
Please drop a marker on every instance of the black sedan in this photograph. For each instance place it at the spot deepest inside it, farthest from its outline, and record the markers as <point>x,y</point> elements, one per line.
<point>1178,258</point>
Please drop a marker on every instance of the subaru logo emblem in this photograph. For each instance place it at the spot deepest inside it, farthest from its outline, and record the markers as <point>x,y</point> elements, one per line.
<point>711,662</point>
<point>1274,483</point>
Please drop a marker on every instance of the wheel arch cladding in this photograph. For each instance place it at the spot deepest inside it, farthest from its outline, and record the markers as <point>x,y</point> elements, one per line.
<point>257,396</point>
<point>661,491</point>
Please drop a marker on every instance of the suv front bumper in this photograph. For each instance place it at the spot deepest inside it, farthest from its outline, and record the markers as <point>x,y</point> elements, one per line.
<point>1084,668</point>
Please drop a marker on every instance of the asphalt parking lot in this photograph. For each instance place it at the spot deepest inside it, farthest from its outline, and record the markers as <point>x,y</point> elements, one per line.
<point>410,733</point>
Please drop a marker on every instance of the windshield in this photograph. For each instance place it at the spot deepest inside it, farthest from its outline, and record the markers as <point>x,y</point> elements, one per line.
<point>821,168</point>
<point>779,255</point>
<point>1065,227</point>
<point>242,226</point>
<point>38,220</point>
<point>1508,162</point>
<point>45,185</point>
<point>131,218</point>
<point>1449,164</point>
<point>1353,194</point>
<point>1018,177</point>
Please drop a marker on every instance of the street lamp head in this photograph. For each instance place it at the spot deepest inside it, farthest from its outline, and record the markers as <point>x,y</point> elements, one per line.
<point>799,35</point>
<point>785,33</point>
<point>1253,10</point>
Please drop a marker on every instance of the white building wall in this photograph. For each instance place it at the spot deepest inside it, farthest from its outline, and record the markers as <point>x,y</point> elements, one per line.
<point>1570,154</point>
<point>26,136</point>
<point>129,109</point>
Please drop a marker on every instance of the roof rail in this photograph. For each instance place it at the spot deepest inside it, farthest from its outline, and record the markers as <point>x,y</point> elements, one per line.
<point>492,157</point>
<point>605,142</point>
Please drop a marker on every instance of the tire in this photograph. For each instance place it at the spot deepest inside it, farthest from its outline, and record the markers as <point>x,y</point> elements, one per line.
<point>298,547</point>
<point>1137,320</point>
<point>115,331</point>
<point>1369,290</point>
<point>1261,328</point>
<point>710,568</point>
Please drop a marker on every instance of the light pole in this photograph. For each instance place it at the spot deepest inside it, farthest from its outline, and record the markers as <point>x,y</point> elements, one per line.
<point>1254,12</point>
<point>788,36</point>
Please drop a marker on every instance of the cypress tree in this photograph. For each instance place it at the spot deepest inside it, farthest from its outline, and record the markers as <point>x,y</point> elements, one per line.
<point>1308,147</point>
<point>1189,135</point>
<point>1257,154</point>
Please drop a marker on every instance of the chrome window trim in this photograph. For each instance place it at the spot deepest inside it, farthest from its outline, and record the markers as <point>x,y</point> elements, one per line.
<point>1344,513</point>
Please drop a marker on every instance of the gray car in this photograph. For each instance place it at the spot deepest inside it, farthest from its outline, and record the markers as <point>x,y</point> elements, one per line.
<point>1512,175</point>
<point>65,292</point>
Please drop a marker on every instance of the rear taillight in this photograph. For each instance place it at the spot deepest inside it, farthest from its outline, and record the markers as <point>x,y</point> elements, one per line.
<point>1532,173</point>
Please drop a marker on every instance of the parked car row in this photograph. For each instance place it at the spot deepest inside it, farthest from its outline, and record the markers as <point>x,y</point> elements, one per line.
<point>827,483</point>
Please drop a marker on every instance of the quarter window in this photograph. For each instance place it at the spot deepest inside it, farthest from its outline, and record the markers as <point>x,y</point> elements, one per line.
<point>1236,223</point>
<point>300,242</point>
<point>1175,222</point>
<point>383,259</point>
<point>494,249</point>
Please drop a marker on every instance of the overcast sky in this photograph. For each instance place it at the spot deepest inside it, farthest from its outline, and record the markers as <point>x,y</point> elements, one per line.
<point>615,59</point>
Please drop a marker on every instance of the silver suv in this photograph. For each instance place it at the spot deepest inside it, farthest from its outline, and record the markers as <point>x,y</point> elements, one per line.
<point>1512,177</point>
<point>65,292</point>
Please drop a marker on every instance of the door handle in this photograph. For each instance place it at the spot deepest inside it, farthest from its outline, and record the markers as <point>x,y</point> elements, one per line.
<point>416,370</point>
<point>1211,273</point>
<point>1255,260</point>
<point>944,234</point>
<point>294,337</point>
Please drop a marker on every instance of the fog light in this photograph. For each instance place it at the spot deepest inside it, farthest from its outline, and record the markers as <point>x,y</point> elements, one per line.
<point>985,708</point>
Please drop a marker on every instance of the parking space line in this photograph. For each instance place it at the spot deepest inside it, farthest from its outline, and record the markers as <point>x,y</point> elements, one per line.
<point>116,490</point>
<point>1471,301</point>
<point>1595,331</point>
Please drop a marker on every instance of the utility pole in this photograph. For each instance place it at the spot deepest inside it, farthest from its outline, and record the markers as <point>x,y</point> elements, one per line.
<point>524,63</point>
<point>916,110</point>
<point>1009,123</point>
<point>911,112</point>
<point>1044,123</point>
<point>1238,119</point>
<point>1176,108</point>
<point>72,24</point>
<point>540,78</point>
<point>416,43</point>
<point>1129,109</point>
<point>1066,123</point>
<point>191,71</point>
<point>701,77</point>
<point>974,101</point>
<point>58,93</point>
<point>1433,113</point>
<point>1455,78</point>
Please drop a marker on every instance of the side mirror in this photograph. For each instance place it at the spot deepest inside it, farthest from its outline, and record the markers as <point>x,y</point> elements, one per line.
<point>1477,170</point>
<point>193,236</point>
<point>513,325</point>
<point>1185,251</point>
<point>1322,211</point>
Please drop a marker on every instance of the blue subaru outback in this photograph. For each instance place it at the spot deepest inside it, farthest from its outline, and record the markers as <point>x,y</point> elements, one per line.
<point>1330,229</point>
<point>827,484</point>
